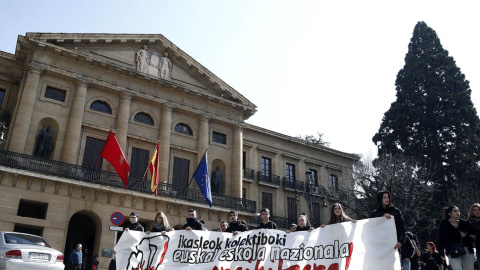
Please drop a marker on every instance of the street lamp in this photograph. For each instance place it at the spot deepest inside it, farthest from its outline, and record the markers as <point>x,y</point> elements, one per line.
<point>309,181</point>
<point>310,196</point>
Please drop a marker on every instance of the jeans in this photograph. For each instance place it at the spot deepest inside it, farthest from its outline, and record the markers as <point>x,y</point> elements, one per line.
<point>464,262</point>
<point>405,265</point>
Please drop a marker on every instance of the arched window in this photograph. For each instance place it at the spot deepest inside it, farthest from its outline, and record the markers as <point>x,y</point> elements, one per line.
<point>143,118</point>
<point>101,107</point>
<point>182,128</point>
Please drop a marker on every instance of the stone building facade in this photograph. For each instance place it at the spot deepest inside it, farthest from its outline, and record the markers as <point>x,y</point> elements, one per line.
<point>62,93</point>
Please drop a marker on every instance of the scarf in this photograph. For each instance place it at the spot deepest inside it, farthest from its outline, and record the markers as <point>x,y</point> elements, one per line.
<point>159,226</point>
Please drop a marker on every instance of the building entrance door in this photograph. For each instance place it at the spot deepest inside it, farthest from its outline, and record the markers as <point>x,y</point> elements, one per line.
<point>81,230</point>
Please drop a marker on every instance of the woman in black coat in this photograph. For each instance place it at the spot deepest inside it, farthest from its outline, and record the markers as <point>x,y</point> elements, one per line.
<point>474,220</point>
<point>454,231</point>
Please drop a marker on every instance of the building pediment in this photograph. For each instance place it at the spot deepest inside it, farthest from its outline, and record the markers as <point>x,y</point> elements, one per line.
<point>149,55</point>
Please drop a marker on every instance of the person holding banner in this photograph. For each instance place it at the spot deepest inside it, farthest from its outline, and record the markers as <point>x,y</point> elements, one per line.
<point>223,226</point>
<point>337,215</point>
<point>135,226</point>
<point>386,209</point>
<point>235,226</point>
<point>266,223</point>
<point>161,224</point>
<point>192,222</point>
<point>303,224</point>
<point>454,240</point>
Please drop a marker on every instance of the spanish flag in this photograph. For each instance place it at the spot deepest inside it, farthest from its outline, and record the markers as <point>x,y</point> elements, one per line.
<point>153,167</point>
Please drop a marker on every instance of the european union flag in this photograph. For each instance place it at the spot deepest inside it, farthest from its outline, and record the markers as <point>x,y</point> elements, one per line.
<point>203,180</point>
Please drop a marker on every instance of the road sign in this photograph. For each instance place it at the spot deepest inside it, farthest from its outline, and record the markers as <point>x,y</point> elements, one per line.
<point>117,218</point>
<point>116,228</point>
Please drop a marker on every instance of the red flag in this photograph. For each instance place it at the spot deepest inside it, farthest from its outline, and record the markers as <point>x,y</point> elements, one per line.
<point>114,154</point>
<point>153,167</point>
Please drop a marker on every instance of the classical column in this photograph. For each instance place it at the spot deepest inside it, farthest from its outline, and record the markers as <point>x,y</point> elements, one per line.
<point>122,121</point>
<point>74,126</point>
<point>18,137</point>
<point>164,144</point>
<point>236,176</point>
<point>202,137</point>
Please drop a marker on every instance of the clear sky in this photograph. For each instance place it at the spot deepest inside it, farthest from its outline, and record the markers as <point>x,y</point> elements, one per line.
<point>309,66</point>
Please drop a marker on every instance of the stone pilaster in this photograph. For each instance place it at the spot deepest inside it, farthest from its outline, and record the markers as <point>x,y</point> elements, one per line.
<point>74,127</point>
<point>123,118</point>
<point>18,137</point>
<point>202,137</point>
<point>164,144</point>
<point>236,183</point>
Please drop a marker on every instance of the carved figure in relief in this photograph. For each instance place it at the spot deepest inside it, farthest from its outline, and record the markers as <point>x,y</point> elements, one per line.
<point>165,71</point>
<point>142,59</point>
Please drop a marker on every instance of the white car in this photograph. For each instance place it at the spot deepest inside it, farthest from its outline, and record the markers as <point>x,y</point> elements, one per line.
<point>26,251</point>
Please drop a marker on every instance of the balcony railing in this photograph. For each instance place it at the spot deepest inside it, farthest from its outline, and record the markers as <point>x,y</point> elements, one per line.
<point>292,184</point>
<point>61,169</point>
<point>249,174</point>
<point>317,190</point>
<point>268,178</point>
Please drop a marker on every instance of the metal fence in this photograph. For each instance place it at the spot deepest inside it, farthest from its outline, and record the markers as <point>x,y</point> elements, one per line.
<point>76,172</point>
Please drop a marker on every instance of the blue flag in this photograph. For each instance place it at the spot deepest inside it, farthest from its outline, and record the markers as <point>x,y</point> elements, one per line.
<point>203,180</point>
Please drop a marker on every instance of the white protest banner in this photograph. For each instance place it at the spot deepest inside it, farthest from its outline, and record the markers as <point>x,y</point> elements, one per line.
<point>367,244</point>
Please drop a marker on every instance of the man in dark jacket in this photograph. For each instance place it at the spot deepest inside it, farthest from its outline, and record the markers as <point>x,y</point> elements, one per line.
<point>192,222</point>
<point>235,226</point>
<point>386,209</point>
<point>135,226</point>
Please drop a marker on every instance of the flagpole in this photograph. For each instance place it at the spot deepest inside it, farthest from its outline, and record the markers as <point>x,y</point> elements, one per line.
<point>196,169</point>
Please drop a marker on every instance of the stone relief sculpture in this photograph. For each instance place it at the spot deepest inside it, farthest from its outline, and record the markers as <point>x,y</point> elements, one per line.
<point>165,67</point>
<point>142,56</point>
<point>153,64</point>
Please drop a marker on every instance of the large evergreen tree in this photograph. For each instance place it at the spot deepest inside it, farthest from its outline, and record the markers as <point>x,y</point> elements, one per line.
<point>433,118</point>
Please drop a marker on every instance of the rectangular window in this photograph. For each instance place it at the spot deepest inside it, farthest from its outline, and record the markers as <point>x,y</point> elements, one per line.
<point>219,138</point>
<point>267,201</point>
<point>292,210</point>
<point>180,176</point>
<point>55,94</point>
<point>32,209</point>
<point>91,155</point>
<point>2,96</point>
<point>334,181</point>
<point>244,160</point>
<point>314,176</point>
<point>181,173</point>
<point>139,162</point>
<point>266,166</point>
<point>290,172</point>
